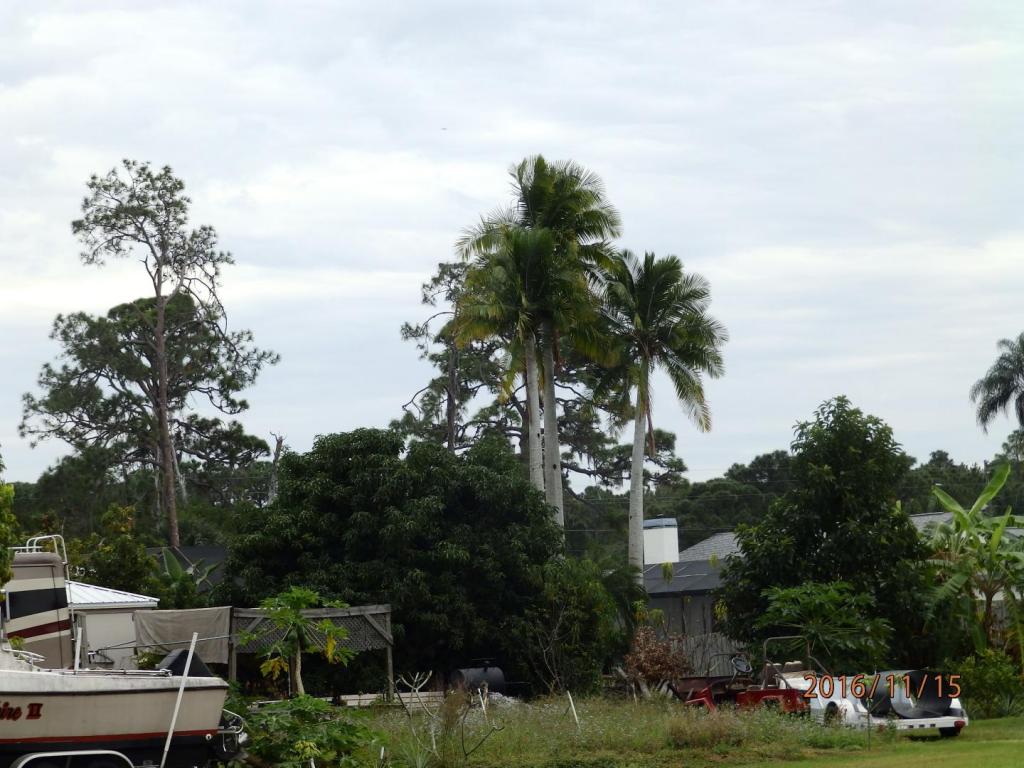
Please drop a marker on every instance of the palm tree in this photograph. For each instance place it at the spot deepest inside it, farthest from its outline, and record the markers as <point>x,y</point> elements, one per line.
<point>506,288</point>
<point>1003,382</point>
<point>657,317</point>
<point>568,201</point>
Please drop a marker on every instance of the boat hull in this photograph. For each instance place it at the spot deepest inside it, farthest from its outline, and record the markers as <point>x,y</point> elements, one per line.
<point>55,711</point>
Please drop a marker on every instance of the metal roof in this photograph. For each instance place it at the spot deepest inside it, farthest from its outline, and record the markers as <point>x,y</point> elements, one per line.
<point>923,520</point>
<point>698,566</point>
<point>720,546</point>
<point>694,577</point>
<point>84,596</point>
<point>369,627</point>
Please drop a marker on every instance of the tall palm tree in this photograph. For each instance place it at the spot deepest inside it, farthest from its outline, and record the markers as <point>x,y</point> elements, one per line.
<point>657,317</point>
<point>1001,384</point>
<point>507,288</point>
<point>568,201</point>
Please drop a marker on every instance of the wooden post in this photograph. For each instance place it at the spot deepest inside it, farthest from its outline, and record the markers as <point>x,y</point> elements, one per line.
<point>232,651</point>
<point>391,666</point>
<point>391,676</point>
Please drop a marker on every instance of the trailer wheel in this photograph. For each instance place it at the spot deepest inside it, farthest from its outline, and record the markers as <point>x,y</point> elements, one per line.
<point>104,762</point>
<point>948,733</point>
<point>832,716</point>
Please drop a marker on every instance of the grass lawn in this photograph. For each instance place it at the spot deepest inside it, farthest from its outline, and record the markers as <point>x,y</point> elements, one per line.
<point>617,734</point>
<point>984,743</point>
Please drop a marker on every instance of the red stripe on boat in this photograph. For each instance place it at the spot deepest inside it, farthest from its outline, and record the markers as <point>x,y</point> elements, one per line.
<point>109,737</point>
<point>42,629</point>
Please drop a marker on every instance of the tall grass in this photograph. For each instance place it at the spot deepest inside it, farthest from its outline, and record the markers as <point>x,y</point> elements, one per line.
<point>611,733</point>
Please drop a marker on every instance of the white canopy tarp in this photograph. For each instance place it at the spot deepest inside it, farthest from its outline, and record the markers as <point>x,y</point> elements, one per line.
<point>169,630</point>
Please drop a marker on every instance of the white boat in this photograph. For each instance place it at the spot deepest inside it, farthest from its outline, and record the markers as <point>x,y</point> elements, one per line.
<point>109,717</point>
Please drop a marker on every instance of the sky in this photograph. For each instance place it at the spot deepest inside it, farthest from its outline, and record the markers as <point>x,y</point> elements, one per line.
<point>848,176</point>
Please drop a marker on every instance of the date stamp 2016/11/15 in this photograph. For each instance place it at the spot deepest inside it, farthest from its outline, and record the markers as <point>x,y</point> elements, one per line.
<point>865,686</point>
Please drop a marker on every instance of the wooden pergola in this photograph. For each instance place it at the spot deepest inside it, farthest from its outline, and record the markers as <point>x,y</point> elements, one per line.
<point>369,629</point>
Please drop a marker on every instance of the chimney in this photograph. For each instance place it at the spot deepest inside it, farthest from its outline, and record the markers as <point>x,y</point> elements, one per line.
<point>661,540</point>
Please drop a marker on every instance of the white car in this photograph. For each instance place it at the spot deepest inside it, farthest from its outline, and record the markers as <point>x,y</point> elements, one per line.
<point>900,699</point>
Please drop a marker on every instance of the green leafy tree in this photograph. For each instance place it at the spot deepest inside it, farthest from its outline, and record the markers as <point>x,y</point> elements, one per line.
<point>992,687</point>
<point>294,633</point>
<point>570,633</point>
<point>978,560</point>
<point>454,542</point>
<point>1013,447</point>
<point>8,527</point>
<point>771,473</point>
<point>115,557</point>
<point>102,397</point>
<point>71,496</point>
<point>657,318</point>
<point>126,377</point>
<point>709,507</point>
<point>1002,385</point>
<point>466,369</point>
<point>839,624</point>
<point>569,203</point>
<point>941,470</point>
<point>838,522</point>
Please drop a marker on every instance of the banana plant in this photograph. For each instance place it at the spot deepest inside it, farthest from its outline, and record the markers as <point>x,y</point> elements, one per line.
<point>197,572</point>
<point>978,560</point>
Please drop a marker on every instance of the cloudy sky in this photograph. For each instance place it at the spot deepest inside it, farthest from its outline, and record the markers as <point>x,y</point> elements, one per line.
<point>847,174</point>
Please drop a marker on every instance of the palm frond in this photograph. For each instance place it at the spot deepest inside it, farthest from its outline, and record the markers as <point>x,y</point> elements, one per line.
<point>1001,384</point>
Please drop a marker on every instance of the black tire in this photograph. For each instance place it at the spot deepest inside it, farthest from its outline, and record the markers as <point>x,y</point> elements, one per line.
<point>831,715</point>
<point>98,761</point>
<point>47,763</point>
<point>948,733</point>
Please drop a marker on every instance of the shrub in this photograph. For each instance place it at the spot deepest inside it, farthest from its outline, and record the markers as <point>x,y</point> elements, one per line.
<point>990,684</point>
<point>570,635</point>
<point>652,661</point>
<point>838,622</point>
<point>290,734</point>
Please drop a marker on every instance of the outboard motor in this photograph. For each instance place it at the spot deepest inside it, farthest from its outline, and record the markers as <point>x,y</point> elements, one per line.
<point>175,662</point>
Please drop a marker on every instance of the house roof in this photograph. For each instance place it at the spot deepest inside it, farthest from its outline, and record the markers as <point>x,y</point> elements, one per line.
<point>922,521</point>
<point>721,545</point>
<point>693,577</point>
<point>698,568</point>
<point>85,596</point>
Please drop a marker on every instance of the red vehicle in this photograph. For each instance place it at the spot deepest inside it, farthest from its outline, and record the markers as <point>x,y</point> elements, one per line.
<point>739,689</point>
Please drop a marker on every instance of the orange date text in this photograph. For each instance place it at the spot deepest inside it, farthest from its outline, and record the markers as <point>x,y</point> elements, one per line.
<point>866,686</point>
